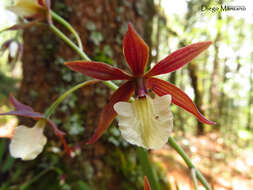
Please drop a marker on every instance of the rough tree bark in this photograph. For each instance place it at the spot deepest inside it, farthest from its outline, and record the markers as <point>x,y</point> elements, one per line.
<point>215,77</point>
<point>101,24</point>
<point>197,87</point>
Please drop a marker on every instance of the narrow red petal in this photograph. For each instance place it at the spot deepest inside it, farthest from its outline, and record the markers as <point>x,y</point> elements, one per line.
<point>98,70</point>
<point>178,58</point>
<point>23,110</point>
<point>21,26</point>
<point>108,114</point>
<point>61,135</point>
<point>146,184</point>
<point>136,51</point>
<point>25,113</point>
<point>179,98</point>
<point>18,105</point>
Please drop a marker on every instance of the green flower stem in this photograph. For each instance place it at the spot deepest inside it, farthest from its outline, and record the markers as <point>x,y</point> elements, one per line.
<point>110,84</point>
<point>147,168</point>
<point>68,26</point>
<point>188,162</point>
<point>69,42</point>
<point>51,109</point>
<point>194,178</point>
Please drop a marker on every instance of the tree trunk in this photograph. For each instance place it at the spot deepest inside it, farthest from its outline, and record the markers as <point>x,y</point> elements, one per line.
<point>215,78</point>
<point>101,25</point>
<point>198,91</point>
<point>250,100</point>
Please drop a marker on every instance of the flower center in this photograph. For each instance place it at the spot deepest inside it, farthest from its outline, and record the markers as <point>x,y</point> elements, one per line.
<point>140,90</point>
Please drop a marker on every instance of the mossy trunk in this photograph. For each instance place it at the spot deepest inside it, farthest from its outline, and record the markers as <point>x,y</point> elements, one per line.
<point>198,91</point>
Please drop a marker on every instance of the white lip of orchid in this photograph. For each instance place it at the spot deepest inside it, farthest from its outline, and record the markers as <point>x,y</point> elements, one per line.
<point>146,122</point>
<point>26,8</point>
<point>28,143</point>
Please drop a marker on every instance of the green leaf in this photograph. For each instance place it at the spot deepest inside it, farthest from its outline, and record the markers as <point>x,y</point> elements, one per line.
<point>82,186</point>
<point>2,149</point>
<point>8,164</point>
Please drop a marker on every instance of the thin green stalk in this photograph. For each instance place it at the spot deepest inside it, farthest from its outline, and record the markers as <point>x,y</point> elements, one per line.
<point>110,84</point>
<point>194,178</point>
<point>51,109</point>
<point>147,168</point>
<point>69,42</point>
<point>68,26</point>
<point>188,162</point>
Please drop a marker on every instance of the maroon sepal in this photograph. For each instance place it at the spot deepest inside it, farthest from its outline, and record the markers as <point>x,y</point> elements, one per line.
<point>23,110</point>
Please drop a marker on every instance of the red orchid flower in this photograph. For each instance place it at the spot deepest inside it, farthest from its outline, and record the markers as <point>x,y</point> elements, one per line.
<point>27,143</point>
<point>137,52</point>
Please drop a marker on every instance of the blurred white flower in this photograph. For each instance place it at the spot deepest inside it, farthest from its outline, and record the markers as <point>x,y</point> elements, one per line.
<point>27,143</point>
<point>27,8</point>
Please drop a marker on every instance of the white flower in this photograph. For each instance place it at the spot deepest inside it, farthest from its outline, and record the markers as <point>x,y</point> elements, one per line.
<point>27,8</point>
<point>146,122</point>
<point>28,143</point>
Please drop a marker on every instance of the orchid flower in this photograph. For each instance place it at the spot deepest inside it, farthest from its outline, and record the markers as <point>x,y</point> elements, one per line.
<point>32,10</point>
<point>147,121</point>
<point>13,56</point>
<point>27,143</point>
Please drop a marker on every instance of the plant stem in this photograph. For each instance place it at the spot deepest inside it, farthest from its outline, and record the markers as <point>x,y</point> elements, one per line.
<point>110,84</point>
<point>147,168</point>
<point>194,178</point>
<point>69,42</point>
<point>68,26</point>
<point>51,109</point>
<point>188,162</point>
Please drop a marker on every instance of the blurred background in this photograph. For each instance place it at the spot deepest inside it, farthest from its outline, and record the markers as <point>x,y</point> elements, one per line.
<point>220,81</point>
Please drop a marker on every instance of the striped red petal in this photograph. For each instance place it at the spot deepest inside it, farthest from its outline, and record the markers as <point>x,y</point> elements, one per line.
<point>178,58</point>
<point>136,51</point>
<point>98,70</point>
<point>108,114</point>
<point>146,184</point>
<point>161,87</point>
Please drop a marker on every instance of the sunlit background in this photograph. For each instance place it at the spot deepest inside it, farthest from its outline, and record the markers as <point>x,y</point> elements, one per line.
<point>222,89</point>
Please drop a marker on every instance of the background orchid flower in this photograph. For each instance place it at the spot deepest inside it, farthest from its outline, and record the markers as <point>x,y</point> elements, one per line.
<point>26,142</point>
<point>146,121</point>
<point>15,50</point>
<point>33,10</point>
<point>146,184</point>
